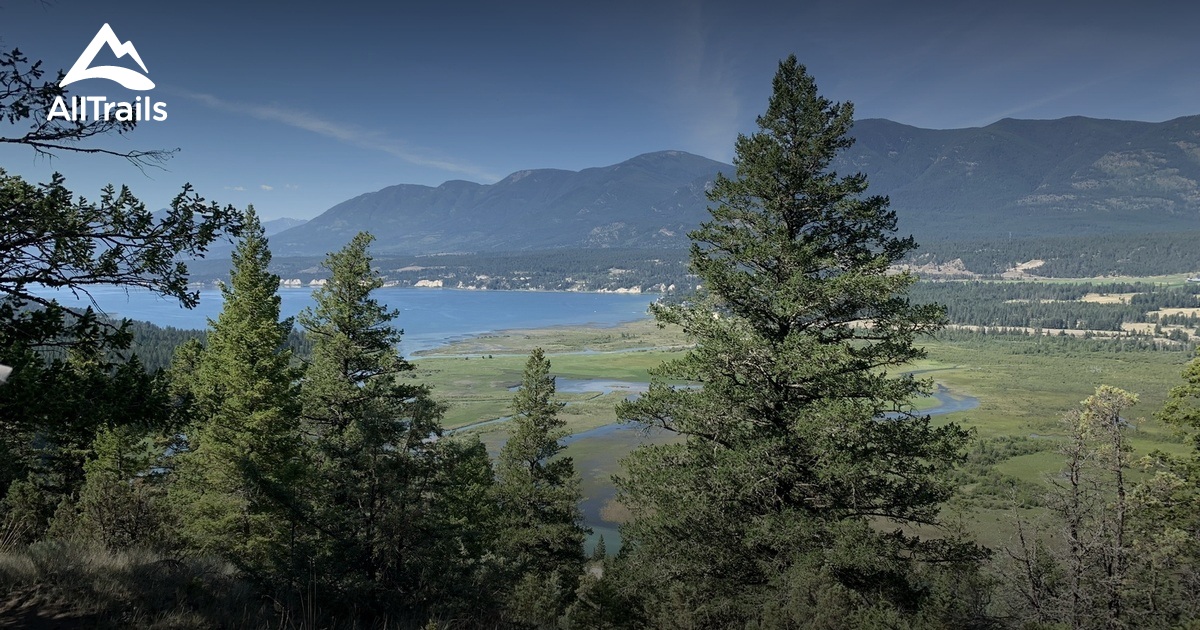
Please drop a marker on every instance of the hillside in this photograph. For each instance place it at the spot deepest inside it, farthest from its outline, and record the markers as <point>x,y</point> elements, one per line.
<point>1035,178</point>
<point>275,226</point>
<point>649,201</point>
<point>1014,179</point>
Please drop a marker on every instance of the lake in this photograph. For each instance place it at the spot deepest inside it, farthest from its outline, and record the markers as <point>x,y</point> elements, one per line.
<point>429,317</point>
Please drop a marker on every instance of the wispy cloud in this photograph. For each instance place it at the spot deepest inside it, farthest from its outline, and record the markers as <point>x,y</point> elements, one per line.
<point>342,132</point>
<point>236,188</point>
<point>1063,93</point>
<point>705,86</point>
<point>266,187</point>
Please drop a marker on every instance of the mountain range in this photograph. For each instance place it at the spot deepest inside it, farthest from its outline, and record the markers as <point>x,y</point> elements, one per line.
<point>649,201</point>
<point>275,226</point>
<point>1014,178</point>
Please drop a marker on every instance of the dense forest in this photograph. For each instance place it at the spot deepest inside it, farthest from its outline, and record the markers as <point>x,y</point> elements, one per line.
<point>155,345</point>
<point>1060,305</point>
<point>1085,256</point>
<point>258,481</point>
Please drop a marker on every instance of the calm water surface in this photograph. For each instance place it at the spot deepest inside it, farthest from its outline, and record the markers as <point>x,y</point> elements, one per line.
<point>429,317</point>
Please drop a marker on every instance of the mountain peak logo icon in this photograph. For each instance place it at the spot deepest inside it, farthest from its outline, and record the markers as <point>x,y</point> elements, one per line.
<point>130,79</point>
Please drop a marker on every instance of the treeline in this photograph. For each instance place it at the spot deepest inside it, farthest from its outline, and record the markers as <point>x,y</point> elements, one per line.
<point>1020,341</point>
<point>612,268</point>
<point>1056,305</point>
<point>1147,254</point>
<point>155,346</point>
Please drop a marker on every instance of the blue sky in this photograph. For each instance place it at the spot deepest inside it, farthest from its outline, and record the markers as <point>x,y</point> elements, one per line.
<point>296,106</point>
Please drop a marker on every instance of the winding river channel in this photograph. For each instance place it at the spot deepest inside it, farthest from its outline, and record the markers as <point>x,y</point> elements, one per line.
<point>947,403</point>
<point>601,448</point>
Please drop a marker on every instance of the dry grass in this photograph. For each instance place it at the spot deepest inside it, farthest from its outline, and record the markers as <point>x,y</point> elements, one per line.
<point>954,269</point>
<point>1187,312</point>
<point>1108,298</point>
<point>1148,328</point>
<point>1095,298</point>
<point>60,585</point>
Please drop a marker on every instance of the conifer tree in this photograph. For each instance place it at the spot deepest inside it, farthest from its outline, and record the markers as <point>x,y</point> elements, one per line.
<point>1168,510</point>
<point>1111,549</point>
<point>49,425</point>
<point>538,495</point>
<point>1183,403</point>
<point>237,480</point>
<point>376,459</point>
<point>803,457</point>
<point>119,505</point>
<point>600,553</point>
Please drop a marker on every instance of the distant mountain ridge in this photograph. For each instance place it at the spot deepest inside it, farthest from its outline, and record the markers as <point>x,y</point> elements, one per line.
<point>648,201</point>
<point>275,226</point>
<point>1034,178</point>
<point>1018,178</point>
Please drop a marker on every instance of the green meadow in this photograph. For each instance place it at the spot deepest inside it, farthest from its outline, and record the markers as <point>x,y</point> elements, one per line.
<point>1024,386</point>
<point>480,387</point>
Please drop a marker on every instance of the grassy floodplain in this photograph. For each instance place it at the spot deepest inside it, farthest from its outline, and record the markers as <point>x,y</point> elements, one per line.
<point>1024,385</point>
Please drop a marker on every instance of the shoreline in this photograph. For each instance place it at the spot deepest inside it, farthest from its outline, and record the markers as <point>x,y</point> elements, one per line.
<point>510,342</point>
<point>620,291</point>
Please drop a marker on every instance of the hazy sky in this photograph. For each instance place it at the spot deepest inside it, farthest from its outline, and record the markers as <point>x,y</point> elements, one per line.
<point>297,106</point>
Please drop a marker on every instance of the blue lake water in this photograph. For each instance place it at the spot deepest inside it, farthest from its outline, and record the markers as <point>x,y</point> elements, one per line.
<point>429,317</point>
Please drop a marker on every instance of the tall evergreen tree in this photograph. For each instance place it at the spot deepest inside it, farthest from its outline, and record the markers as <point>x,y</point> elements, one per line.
<point>803,458</point>
<point>238,477</point>
<point>376,459</point>
<point>538,495</point>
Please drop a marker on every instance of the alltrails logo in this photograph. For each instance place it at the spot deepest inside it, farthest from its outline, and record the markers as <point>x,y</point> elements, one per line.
<point>84,108</point>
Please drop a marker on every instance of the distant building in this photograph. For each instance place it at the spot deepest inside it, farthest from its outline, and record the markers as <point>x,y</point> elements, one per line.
<point>1197,280</point>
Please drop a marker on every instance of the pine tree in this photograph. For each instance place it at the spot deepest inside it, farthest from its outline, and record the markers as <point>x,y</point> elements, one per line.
<point>376,459</point>
<point>236,482</point>
<point>801,445</point>
<point>600,553</point>
<point>538,495</point>
<point>119,504</point>
<point>48,427</point>
<point>1183,403</point>
<point>1110,549</point>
